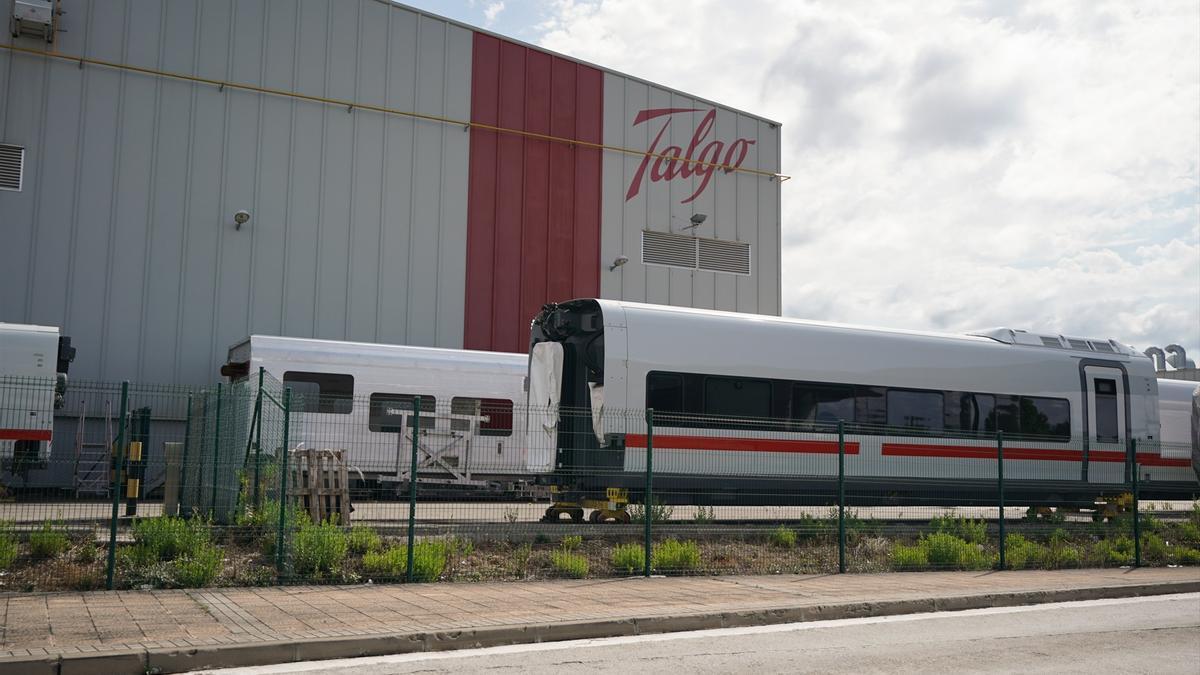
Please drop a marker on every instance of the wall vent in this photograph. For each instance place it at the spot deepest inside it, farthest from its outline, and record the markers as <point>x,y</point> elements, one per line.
<point>1051,342</point>
<point>12,166</point>
<point>1079,344</point>
<point>732,257</point>
<point>695,253</point>
<point>1103,347</point>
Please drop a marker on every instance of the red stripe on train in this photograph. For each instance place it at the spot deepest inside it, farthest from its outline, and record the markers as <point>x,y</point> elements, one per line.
<point>1043,454</point>
<point>24,435</point>
<point>739,444</point>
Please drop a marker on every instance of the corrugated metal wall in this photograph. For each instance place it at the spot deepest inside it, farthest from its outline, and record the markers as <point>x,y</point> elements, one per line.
<point>124,234</point>
<point>534,212</point>
<point>739,206</point>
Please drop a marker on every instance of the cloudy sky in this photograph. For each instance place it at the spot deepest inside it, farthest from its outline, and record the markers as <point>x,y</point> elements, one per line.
<point>955,165</point>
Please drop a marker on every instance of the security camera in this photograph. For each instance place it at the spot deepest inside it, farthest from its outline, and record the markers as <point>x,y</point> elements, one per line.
<point>240,218</point>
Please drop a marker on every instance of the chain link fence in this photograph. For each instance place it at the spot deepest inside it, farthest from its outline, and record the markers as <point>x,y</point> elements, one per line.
<point>252,483</point>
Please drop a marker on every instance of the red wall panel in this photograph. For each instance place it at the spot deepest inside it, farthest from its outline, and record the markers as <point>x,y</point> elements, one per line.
<point>533,206</point>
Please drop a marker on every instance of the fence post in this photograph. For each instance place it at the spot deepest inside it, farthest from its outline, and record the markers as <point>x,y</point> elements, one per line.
<point>257,422</point>
<point>187,439</point>
<point>841,497</point>
<point>1137,525</point>
<point>116,487</point>
<point>212,505</point>
<point>412,488</point>
<point>1000,479</point>
<point>283,473</point>
<point>648,511</point>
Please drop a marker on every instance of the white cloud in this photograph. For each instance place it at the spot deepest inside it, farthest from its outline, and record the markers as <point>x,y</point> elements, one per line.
<point>492,11</point>
<point>955,165</point>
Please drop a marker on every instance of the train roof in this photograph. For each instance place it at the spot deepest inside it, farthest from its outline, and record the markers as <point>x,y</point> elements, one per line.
<point>27,328</point>
<point>308,349</point>
<point>993,336</point>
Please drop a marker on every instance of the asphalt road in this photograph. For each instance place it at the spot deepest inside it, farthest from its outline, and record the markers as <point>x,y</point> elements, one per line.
<point>1135,635</point>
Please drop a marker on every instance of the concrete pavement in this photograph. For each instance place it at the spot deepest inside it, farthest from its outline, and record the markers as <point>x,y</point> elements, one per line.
<point>180,630</point>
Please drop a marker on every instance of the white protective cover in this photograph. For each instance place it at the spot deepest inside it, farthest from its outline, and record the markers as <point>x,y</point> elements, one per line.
<point>545,389</point>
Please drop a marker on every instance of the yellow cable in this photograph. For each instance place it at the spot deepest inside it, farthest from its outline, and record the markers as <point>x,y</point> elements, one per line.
<point>351,105</point>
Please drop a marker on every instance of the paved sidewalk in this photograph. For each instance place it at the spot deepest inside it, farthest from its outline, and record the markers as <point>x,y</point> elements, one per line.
<point>171,631</point>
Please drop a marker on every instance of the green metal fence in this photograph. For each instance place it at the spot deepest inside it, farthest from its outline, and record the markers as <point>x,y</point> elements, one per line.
<point>250,483</point>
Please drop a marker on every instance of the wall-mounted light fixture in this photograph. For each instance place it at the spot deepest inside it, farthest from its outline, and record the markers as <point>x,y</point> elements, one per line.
<point>618,261</point>
<point>240,218</point>
<point>696,219</point>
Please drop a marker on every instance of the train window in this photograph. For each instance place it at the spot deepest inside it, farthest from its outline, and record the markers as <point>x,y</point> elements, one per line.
<point>1106,411</point>
<point>737,397</point>
<point>1005,417</point>
<point>1046,417</point>
<point>870,407</point>
<point>498,411</point>
<point>389,410</point>
<point>915,409</point>
<point>320,392</point>
<point>664,392</point>
<point>822,403</point>
<point>967,412</point>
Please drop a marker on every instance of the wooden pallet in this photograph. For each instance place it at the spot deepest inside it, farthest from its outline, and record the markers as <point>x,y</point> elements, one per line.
<point>317,480</point>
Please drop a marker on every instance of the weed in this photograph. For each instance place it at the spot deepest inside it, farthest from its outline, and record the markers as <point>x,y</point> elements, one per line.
<point>199,567</point>
<point>48,541</point>
<point>87,553</point>
<point>1021,553</point>
<point>569,564</point>
<point>319,549</point>
<point>971,531</point>
<point>168,537</point>
<point>363,539</point>
<point>520,560</point>
<point>628,557</point>
<point>704,515</point>
<point>950,552</point>
<point>1117,551</point>
<point>571,542</point>
<point>782,537</point>
<point>429,560</point>
<point>673,555</point>
<point>909,557</point>
<point>1154,549</point>
<point>1187,556</point>
<point>817,528</point>
<point>8,547</point>
<point>510,515</point>
<point>657,511</point>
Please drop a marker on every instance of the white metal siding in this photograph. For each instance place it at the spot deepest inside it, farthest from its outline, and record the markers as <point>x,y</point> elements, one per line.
<point>123,234</point>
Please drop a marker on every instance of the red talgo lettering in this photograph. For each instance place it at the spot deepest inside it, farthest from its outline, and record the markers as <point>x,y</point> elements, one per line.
<point>672,162</point>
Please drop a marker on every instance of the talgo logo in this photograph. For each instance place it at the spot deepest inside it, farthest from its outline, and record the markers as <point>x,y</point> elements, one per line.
<point>672,162</point>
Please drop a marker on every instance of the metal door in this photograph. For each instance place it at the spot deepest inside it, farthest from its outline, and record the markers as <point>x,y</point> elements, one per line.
<point>1105,393</point>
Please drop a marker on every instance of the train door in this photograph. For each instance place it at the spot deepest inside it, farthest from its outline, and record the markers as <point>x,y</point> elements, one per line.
<point>1105,395</point>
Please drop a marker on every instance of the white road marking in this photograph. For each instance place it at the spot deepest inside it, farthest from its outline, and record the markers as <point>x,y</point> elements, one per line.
<point>318,666</point>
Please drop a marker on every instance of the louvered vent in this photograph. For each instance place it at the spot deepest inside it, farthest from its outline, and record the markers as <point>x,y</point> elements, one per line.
<point>12,166</point>
<point>664,248</point>
<point>1103,347</point>
<point>717,255</point>
<point>1079,344</point>
<point>1051,342</point>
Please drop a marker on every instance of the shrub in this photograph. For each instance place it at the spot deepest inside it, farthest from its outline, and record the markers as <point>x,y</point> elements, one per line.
<point>200,567</point>
<point>319,549</point>
<point>1188,556</point>
<point>87,554</point>
<point>1188,532</point>
<point>1020,553</point>
<point>169,537</point>
<point>971,531</point>
<point>909,557</point>
<point>571,542</point>
<point>569,564</point>
<point>704,515</point>
<point>674,555</point>
<point>811,526</point>
<point>48,542</point>
<point>1154,549</point>
<point>1117,551</point>
<point>782,537</point>
<point>948,551</point>
<point>363,539</point>
<point>1060,552</point>
<point>628,557</point>
<point>429,560</point>
<point>657,511</point>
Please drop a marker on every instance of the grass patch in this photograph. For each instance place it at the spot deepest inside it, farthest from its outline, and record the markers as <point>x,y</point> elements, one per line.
<point>782,537</point>
<point>908,558</point>
<point>319,549</point>
<point>429,561</point>
<point>571,542</point>
<point>569,564</point>
<point>199,568</point>
<point>673,555</point>
<point>363,539</point>
<point>8,546</point>
<point>628,557</point>
<point>167,538</point>
<point>1021,553</point>
<point>971,531</point>
<point>48,541</point>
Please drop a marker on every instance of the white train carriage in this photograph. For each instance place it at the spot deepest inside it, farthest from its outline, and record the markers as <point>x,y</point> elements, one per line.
<point>360,397</point>
<point>746,409</point>
<point>34,361</point>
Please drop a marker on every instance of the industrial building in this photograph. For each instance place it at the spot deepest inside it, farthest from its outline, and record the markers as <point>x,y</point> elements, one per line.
<point>177,175</point>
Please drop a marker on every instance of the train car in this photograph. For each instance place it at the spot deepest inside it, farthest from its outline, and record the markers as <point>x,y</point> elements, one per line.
<point>746,408</point>
<point>360,397</point>
<point>1179,414</point>
<point>34,361</point>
